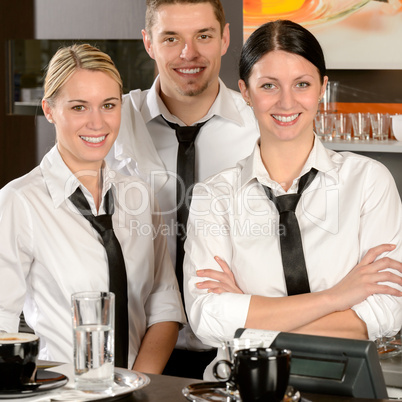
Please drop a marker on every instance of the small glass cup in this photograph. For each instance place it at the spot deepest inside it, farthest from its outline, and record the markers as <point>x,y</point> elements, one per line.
<point>361,126</point>
<point>389,346</point>
<point>343,126</point>
<point>380,125</point>
<point>324,125</point>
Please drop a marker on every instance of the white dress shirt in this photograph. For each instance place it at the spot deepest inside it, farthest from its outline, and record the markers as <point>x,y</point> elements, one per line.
<point>49,251</point>
<point>351,206</point>
<point>148,146</point>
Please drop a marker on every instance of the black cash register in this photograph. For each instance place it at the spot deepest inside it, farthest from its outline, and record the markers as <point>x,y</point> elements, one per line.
<point>328,365</point>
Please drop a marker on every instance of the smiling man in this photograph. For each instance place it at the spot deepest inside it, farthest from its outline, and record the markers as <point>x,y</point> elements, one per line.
<point>187,42</point>
<point>187,39</point>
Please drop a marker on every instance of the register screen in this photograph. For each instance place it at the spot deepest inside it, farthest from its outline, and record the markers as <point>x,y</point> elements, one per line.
<point>318,368</point>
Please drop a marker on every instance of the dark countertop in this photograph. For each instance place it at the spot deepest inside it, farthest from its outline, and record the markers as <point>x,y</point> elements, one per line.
<point>169,389</point>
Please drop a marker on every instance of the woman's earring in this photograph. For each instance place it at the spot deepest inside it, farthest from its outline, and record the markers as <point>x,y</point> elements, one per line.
<point>248,103</point>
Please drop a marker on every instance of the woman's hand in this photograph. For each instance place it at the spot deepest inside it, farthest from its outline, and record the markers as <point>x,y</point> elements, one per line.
<point>221,282</point>
<point>363,280</point>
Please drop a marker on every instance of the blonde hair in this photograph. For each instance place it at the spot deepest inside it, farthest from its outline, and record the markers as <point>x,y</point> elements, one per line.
<point>67,60</point>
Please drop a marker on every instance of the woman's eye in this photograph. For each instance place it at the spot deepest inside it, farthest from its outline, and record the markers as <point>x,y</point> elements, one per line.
<point>109,106</point>
<point>78,108</point>
<point>303,84</point>
<point>268,86</point>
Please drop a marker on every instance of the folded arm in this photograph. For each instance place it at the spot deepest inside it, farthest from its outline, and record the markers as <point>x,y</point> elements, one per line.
<point>321,313</point>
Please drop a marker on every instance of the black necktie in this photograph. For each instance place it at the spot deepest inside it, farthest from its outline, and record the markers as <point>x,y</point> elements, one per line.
<point>294,265</point>
<point>117,269</point>
<point>186,136</point>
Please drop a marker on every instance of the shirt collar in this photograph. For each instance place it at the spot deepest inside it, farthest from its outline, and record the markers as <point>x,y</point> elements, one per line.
<point>136,152</point>
<point>319,158</point>
<point>224,106</point>
<point>134,148</point>
<point>61,182</point>
<point>154,106</point>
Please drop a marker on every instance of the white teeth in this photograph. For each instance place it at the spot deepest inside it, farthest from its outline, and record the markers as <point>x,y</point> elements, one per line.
<point>287,119</point>
<point>189,70</point>
<point>93,140</point>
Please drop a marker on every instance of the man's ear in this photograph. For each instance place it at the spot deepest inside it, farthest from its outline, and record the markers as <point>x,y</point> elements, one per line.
<point>146,38</point>
<point>225,39</point>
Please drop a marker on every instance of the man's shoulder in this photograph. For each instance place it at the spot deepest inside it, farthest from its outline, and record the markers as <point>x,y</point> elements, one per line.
<point>131,115</point>
<point>230,176</point>
<point>235,105</point>
<point>135,98</point>
<point>236,95</point>
<point>124,180</point>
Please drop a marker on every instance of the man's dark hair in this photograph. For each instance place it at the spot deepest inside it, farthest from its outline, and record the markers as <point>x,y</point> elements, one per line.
<point>153,5</point>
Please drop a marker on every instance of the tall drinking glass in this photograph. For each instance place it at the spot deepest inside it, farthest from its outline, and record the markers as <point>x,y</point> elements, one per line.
<point>328,103</point>
<point>93,327</point>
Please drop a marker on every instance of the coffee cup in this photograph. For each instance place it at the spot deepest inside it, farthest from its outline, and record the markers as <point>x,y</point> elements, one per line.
<point>260,374</point>
<point>227,351</point>
<point>18,354</point>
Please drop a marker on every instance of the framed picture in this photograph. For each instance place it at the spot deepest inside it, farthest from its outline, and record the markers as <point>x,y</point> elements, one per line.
<point>355,34</point>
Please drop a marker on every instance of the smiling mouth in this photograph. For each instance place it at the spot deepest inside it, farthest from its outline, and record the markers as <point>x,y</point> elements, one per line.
<point>190,70</point>
<point>93,140</point>
<point>286,119</point>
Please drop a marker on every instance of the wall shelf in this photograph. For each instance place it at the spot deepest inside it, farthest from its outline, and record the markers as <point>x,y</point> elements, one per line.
<point>390,146</point>
<point>33,108</point>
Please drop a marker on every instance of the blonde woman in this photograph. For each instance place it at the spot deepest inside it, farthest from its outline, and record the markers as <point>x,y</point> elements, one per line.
<point>50,250</point>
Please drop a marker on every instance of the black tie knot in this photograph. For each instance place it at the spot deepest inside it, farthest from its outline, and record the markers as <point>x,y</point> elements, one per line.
<point>102,223</point>
<point>187,134</point>
<point>287,202</point>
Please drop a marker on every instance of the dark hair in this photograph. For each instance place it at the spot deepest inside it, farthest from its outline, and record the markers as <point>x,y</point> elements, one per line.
<point>280,35</point>
<point>153,5</point>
